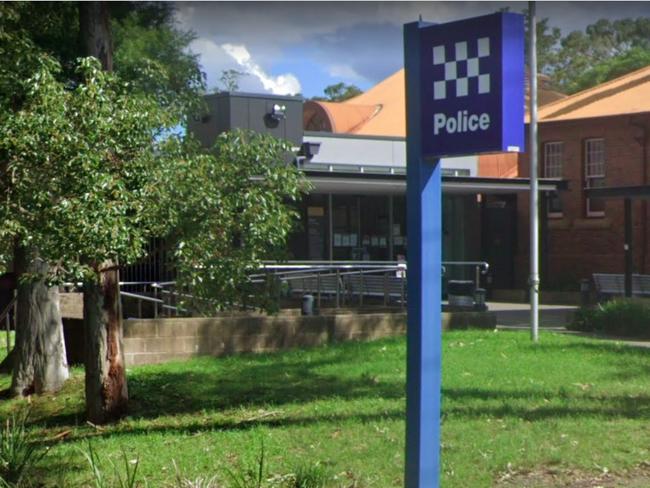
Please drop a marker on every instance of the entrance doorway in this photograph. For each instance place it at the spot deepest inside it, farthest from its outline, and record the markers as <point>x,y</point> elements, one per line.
<point>499,242</point>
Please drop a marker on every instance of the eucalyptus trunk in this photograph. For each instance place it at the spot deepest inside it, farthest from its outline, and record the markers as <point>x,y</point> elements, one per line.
<point>40,363</point>
<point>95,32</point>
<point>106,388</point>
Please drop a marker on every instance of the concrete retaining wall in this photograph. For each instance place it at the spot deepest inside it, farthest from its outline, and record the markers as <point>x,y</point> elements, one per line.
<point>158,340</point>
<point>72,305</point>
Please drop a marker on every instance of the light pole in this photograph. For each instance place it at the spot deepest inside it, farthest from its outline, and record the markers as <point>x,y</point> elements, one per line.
<point>534,190</point>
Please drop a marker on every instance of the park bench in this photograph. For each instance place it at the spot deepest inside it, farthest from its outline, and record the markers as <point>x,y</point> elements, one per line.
<point>326,283</point>
<point>385,285</point>
<point>608,285</point>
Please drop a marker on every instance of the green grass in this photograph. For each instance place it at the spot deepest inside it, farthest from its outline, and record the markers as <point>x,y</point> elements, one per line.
<point>508,405</point>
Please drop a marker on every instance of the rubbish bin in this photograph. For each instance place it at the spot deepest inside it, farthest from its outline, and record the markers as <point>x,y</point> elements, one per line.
<point>460,293</point>
<point>585,292</point>
<point>308,304</point>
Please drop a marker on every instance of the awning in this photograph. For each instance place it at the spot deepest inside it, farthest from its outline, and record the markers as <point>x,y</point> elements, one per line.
<point>383,184</point>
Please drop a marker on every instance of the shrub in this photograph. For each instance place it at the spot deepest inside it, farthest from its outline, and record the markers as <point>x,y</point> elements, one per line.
<point>583,320</point>
<point>123,478</point>
<point>309,476</point>
<point>248,477</point>
<point>18,453</point>
<point>619,317</point>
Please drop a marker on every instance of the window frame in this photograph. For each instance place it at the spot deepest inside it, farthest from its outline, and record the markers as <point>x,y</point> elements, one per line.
<point>594,170</point>
<point>558,170</point>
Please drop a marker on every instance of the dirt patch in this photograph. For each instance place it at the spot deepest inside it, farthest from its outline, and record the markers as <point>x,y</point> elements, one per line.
<point>556,477</point>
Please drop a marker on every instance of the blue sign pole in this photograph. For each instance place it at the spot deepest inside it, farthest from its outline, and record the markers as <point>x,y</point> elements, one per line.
<point>423,336</point>
<point>464,95</point>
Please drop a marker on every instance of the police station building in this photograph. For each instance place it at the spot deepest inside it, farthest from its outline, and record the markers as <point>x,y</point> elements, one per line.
<point>354,154</point>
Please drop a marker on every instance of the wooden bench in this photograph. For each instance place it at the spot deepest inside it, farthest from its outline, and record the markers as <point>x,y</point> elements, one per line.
<point>608,284</point>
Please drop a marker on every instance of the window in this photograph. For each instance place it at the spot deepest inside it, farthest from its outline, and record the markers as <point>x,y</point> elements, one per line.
<point>553,159</point>
<point>595,174</point>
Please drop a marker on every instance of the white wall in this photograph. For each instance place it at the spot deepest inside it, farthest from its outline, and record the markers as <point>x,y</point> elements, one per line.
<point>375,151</point>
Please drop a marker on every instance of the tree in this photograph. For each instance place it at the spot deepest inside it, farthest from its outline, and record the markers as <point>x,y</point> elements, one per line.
<point>152,55</point>
<point>230,79</point>
<point>149,51</point>
<point>95,148</point>
<point>111,185</point>
<point>39,356</point>
<point>156,59</point>
<point>339,92</point>
<point>609,69</point>
<point>605,50</point>
<point>106,388</point>
<point>547,41</point>
<point>229,208</point>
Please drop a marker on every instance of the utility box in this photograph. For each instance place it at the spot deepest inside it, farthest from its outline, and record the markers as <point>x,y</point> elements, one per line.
<point>279,116</point>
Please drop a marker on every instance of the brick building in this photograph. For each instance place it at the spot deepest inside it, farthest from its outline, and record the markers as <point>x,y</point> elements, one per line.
<point>595,138</point>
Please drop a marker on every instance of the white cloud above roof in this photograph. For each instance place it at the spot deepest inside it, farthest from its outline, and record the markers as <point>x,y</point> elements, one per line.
<point>320,43</point>
<point>284,84</point>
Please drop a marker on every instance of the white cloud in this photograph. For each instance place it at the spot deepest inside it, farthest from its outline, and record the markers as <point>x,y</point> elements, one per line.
<point>344,71</point>
<point>215,60</point>
<point>343,39</point>
<point>284,84</point>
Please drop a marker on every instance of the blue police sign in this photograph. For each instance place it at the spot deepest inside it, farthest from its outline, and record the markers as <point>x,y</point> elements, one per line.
<point>464,95</point>
<point>473,86</point>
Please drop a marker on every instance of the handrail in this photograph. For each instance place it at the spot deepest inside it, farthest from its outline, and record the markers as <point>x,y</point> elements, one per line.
<point>483,264</point>
<point>290,271</point>
<point>144,298</point>
<point>5,316</point>
<point>323,261</point>
<point>299,275</point>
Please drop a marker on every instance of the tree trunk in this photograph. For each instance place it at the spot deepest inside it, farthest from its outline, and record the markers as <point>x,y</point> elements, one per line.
<point>106,388</point>
<point>95,32</point>
<point>40,363</point>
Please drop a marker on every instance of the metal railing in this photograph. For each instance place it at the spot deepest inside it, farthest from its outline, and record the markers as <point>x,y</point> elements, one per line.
<point>392,272</point>
<point>156,293</point>
<point>342,282</point>
<point>6,318</point>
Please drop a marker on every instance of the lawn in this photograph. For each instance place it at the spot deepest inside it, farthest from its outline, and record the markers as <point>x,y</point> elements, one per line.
<point>568,406</point>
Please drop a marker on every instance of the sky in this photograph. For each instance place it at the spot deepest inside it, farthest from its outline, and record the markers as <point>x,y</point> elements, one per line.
<point>302,47</point>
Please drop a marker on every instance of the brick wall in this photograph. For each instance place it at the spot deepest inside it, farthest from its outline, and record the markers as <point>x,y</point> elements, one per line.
<point>579,245</point>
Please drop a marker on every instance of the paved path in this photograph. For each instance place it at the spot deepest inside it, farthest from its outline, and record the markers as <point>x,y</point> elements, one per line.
<point>551,317</point>
<point>517,315</point>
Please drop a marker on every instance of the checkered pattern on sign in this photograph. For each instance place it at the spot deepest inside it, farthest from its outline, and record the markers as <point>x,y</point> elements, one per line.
<point>461,74</point>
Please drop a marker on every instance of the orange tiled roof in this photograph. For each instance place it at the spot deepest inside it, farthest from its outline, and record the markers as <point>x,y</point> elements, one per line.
<point>380,111</point>
<point>336,117</point>
<point>624,95</point>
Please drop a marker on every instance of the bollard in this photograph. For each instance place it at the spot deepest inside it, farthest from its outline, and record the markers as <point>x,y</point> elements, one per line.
<point>308,304</point>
